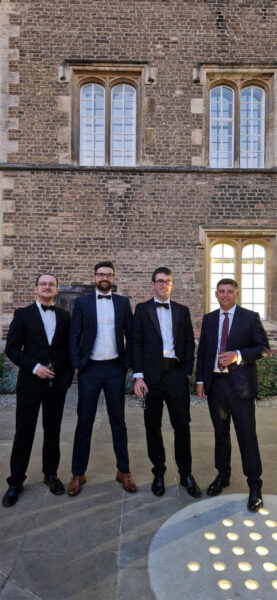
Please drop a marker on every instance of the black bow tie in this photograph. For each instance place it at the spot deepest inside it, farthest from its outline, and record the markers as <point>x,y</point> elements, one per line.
<point>100,296</point>
<point>45,307</point>
<point>162,305</point>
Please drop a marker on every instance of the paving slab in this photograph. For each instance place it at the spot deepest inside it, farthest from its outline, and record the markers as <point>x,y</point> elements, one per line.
<point>95,546</point>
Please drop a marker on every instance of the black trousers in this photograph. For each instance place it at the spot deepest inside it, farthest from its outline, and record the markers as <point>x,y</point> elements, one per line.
<point>27,410</point>
<point>224,404</point>
<point>110,376</point>
<point>173,388</point>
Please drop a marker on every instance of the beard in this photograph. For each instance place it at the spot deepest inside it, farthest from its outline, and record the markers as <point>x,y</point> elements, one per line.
<point>104,286</point>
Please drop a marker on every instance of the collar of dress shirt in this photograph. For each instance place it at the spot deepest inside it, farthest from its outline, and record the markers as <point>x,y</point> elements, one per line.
<point>230,312</point>
<point>160,302</point>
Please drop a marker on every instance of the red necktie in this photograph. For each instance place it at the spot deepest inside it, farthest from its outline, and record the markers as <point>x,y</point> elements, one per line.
<point>224,336</point>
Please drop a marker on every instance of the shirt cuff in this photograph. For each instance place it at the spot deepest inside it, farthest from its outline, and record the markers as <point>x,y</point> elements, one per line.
<point>36,368</point>
<point>138,376</point>
<point>198,382</point>
<point>239,357</point>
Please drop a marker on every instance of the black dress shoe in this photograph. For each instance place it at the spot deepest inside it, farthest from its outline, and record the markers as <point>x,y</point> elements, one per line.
<point>216,487</point>
<point>158,485</point>
<point>255,500</point>
<point>191,485</point>
<point>54,484</point>
<point>11,495</point>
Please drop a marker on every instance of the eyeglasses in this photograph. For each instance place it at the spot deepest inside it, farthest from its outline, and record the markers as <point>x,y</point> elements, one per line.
<point>105,275</point>
<point>164,281</point>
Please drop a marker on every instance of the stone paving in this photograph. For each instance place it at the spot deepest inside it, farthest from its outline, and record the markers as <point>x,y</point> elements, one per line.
<point>101,544</point>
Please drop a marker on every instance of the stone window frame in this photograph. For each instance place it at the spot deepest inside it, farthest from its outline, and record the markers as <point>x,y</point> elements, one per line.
<point>238,77</point>
<point>239,238</point>
<point>107,75</point>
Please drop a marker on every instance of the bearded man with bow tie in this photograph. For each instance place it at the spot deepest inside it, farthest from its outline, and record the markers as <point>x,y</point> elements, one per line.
<point>163,356</point>
<point>37,343</point>
<point>100,351</point>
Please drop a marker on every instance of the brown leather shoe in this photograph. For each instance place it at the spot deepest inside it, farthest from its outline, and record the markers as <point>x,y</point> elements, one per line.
<point>126,481</point>
<point>74,487</point>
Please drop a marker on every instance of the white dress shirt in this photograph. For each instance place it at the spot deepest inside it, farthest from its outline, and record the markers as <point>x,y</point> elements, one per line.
<point>231,313</point>
<point>49,321</point>
<point>165,321</point>
<point>104,347</point>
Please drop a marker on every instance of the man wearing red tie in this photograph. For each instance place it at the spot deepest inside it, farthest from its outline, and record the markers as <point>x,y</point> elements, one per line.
<point>232,339</point>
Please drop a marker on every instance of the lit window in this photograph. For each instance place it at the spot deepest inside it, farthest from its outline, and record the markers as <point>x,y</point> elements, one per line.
<point>253,268</point>
<point>246,263</point>
<point>222,266</point>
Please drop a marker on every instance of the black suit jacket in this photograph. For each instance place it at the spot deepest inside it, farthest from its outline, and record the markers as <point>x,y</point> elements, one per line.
<point>27,345</point>
<point>148,343</point>
<point>83,329</point>
<point>246,335</point>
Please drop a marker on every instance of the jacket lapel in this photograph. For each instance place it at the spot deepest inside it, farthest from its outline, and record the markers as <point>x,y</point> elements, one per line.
<point>117,313</point>
<point>38,322</point>
<point>214,331</point>
<point>175,320</point>
<point>154,317</point>
<point>236,322</point>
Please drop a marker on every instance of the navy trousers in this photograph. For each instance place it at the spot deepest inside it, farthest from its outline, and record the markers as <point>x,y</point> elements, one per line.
<point>224,404</point>
<point>107,375</point>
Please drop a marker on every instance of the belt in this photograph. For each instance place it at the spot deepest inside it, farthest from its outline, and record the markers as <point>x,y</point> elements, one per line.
<point>170,363</point>
<point>221,374</point>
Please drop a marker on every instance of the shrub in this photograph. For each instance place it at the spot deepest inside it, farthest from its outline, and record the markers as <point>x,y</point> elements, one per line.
<point>8,375</point>
<point>267,376</point>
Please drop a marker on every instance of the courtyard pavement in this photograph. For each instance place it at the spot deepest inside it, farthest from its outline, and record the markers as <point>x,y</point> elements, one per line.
<point>109,545</point>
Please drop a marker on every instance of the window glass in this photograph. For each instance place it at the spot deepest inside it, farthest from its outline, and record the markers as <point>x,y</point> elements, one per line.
<point>253,278</point>
<point>252,119</point>
<point>222,265</point>
<point>221,127</point>
<point>92,125</point>
<point>123,125</point>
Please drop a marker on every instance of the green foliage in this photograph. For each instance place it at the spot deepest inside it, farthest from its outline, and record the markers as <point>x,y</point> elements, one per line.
<point>8,375</point>
<point>129,383</point>
<point>267,376</point>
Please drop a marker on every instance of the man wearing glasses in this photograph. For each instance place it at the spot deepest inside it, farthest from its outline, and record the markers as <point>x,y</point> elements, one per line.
<point>163,356</point>
<point>37,343</point>
<point>100,357</point>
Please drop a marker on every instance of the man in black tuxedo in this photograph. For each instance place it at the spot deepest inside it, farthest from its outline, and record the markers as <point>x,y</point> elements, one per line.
<point>37,343</point>
<point>100,322</point>
<point>163,356</point>
<point>232,339</point>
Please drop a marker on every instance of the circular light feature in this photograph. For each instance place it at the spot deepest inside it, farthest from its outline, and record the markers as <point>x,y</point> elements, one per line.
<point>232,536</point>
<point>244,566</point>
<point>219,566</point>
<point>274,535</point>
<point>255,536</point>
<point>270,523</point>
<point>261,550</point>
<point>227,522</point>
<point>249,523</point>
<point>269,567</point>
<point>214,550</point>
<point>224,584</point>
<point>209,535</point>
<point>238,551</point>
<point>193,566</point>
<point>251,584</point>
<point>274,584</point>
<point>263,511</point>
